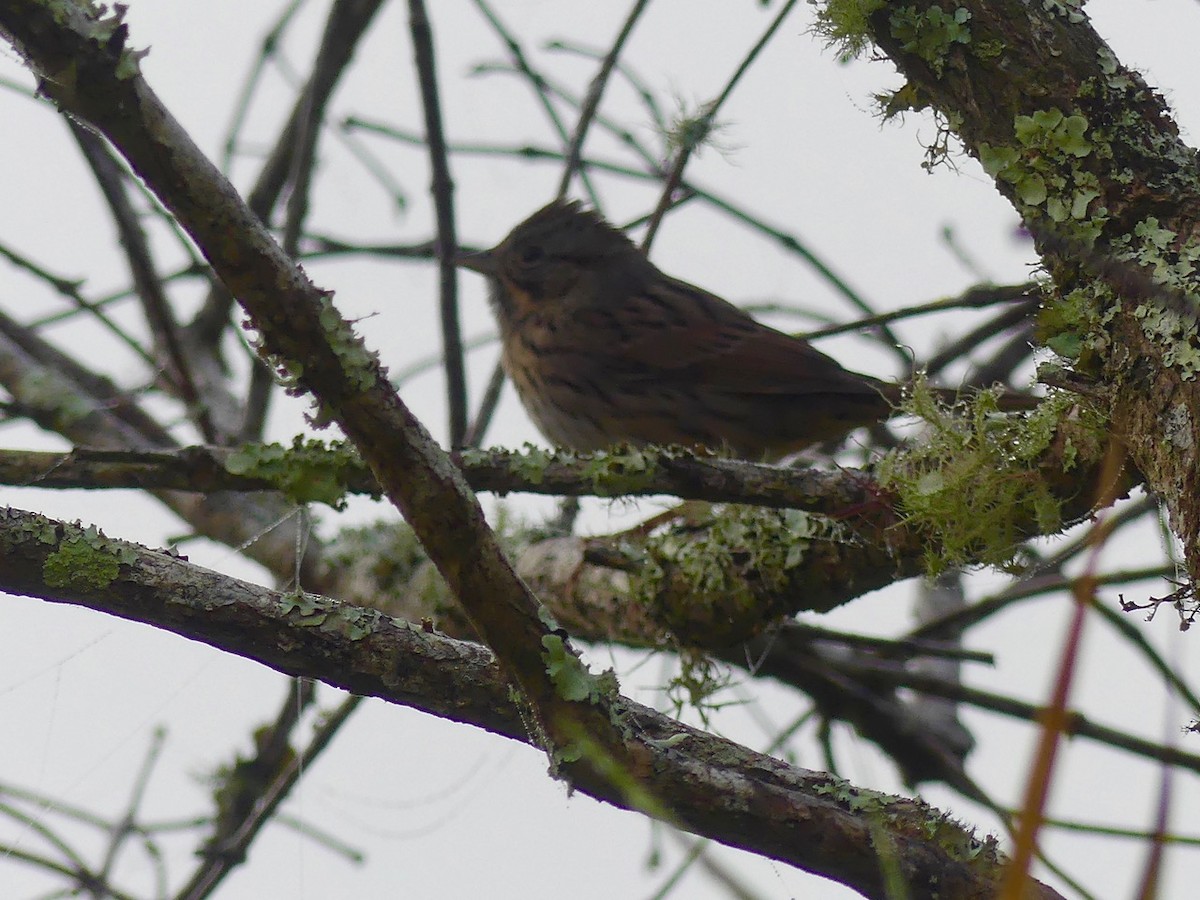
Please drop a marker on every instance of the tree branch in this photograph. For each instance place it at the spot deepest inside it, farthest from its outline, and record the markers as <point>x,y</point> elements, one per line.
<point>711,786</point>
<point>1091,159</point>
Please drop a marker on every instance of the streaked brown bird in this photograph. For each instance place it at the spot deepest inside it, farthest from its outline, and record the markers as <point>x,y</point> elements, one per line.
<point>604,348</point>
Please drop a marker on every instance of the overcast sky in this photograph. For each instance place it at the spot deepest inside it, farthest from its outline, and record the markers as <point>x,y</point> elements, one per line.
<point>442,809</point>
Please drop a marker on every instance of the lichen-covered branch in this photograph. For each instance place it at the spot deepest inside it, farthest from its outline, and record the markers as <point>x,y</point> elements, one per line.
<point>84,65</point>
<point>968,493</point>
<point>703,783</point>
<point>1090,157</point>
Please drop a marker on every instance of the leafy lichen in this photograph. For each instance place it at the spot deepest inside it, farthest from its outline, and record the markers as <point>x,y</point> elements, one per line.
<point>1170,320</point>
<point>930,33</point>
<point>570,676</point>
<point>86,560</point>
<point>310,471</point>
<point>360,365</point>
<point>1042,165</point>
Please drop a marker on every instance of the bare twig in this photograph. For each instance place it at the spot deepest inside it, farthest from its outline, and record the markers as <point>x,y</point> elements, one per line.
<point>537,82</point>
<point>695,133</point>
<point>487,408</point>
<point>110,176</point>
<point>232,851</point>
<point>442,187</point>
<point>125,826</point>
<point>591,101</point>
<point>241,106</point>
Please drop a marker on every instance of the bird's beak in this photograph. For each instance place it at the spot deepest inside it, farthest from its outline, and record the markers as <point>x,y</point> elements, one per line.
<point>483,262</point>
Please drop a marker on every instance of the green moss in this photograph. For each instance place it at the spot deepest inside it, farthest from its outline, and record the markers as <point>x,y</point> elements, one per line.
<point>844,24</point>
<point>310,471</point>
<point>972,485</point>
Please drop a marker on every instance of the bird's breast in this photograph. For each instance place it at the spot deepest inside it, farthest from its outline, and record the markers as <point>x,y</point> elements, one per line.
<point>560,383</point>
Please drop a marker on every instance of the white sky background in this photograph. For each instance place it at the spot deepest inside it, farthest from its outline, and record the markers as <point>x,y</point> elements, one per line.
<point>443,809</point>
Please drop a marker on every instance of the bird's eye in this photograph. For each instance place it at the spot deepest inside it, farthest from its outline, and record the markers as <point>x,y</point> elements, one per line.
<point>531,254</point>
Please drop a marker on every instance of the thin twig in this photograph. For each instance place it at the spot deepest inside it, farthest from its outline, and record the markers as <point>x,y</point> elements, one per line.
<point>124,827</point>
<point>424,364</point>
<point>537,82</point>
<point>110,176</point>
<point>591,101</point>
<point>1055,718</point>
<point>241,106</point>
<point>214,869</point>
<point>69,288</point>
<point>442,188</point>
<point>1006,319</point>
<point>487,408</point>
<point>978,297</point>
<point>790,243</point>
<point>615,129</point>
<point>636,82</point>
<point>698,131</point>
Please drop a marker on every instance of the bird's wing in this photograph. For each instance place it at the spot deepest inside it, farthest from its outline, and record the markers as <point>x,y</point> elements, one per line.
<point>681,333</point>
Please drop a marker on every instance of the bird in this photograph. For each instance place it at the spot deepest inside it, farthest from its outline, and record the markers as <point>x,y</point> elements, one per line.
<point>605,349</point>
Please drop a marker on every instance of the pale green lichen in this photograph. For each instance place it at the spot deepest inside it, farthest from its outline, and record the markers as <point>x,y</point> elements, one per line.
<point>615,472</point>
<point>309,471</point>
<point>310,609</point>
<point>624,469</point>
<point>1178,428</point>
<point>1167,317</point>
<point>360,365</point>
<point>382,565</point>
<point>1073,325</point>
<point>958,840</point>
<point>570,676</point>
<point>1043,167</point>
<point>712,565</point>
<point>857,799</point>
<point>1066,9</point>
<point>1169,320</point>
<point>715,581</point>
<point>86,560</point>
<point>575,683</point>
<point>103,25</point>
<point>306,610</point>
